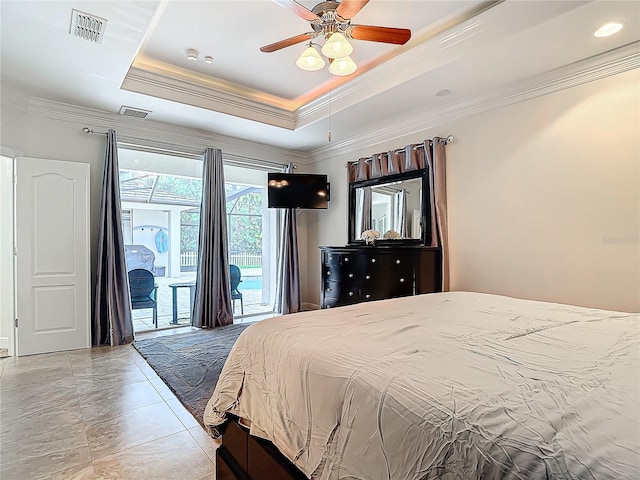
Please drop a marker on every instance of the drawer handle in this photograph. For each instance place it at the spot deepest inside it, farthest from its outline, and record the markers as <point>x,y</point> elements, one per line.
<point>373,260</point>
<point>351,275</point>
<point>331,257</point>
<point>401,280</point>
<point>351,294</point>
<point>397,262</point>
<point>346,259</point>
<point>328,272</point>
<point>329,289</point>
<point>368,277</point>
<point>367,296</point>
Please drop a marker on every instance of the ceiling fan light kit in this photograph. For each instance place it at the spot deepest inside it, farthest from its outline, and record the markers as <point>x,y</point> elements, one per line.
<point>337,46</point>
<point>343,66</point>
<point>310,60</point>
<point>332,20</point>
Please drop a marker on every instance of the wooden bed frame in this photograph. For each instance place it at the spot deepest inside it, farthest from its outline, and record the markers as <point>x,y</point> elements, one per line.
<point>243,457</point>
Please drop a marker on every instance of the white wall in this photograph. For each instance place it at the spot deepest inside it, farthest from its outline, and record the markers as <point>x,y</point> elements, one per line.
<point>544,198</point>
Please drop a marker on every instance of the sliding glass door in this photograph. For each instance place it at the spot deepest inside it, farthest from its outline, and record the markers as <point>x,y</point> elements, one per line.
<point>160,200</point>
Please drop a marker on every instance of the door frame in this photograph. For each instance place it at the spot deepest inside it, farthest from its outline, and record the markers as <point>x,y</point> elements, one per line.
<point>9,323</point>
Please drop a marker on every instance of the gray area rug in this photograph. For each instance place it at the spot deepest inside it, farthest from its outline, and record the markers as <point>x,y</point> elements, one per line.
<point>190,363</point>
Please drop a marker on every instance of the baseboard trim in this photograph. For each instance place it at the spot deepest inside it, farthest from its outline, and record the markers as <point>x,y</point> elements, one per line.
<point>4,342</point>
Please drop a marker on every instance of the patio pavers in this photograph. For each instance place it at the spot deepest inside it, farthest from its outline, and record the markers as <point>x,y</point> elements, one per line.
<point>142,319</point>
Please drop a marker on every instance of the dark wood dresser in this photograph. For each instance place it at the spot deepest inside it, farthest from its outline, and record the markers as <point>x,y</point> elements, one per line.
<point>354,274</point>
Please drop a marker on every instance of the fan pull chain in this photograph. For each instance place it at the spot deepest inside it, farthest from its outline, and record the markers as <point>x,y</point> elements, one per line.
<point>330,94</point>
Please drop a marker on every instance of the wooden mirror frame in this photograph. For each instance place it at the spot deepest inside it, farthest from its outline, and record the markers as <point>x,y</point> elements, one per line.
<point>424,214</point>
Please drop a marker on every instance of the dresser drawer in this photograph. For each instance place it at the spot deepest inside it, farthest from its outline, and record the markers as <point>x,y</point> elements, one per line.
<point>341,293</point>
<point>332,272</point>
<point>355,274</point>
<point>334,258</point>
<point>399,287</point>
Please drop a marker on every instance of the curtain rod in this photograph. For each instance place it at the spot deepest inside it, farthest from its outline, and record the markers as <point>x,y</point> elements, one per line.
<point>231,159</point>
<point>446,141</point>
<point>90,130</point>
<point>442,140</point>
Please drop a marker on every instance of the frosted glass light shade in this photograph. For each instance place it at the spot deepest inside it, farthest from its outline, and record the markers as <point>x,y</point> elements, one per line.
<point>310,60</point>
<point>343,66</point>
<point>337,46</point>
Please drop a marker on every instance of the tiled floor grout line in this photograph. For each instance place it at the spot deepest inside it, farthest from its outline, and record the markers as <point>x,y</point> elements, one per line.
<point>84,429</point>
<point>83,372</point>
<point>186,427</point>
<point>84,423</point>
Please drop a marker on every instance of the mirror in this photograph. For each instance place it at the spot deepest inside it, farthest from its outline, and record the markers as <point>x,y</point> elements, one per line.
<point>395,204</point>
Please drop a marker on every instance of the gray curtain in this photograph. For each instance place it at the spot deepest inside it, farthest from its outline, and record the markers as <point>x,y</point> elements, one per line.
<point>212,299</point>
<point>288,282</point>
<point>400,213</point>
<point>429,154</point>
<point>363,210</point>
<point>112,323</point>
<point>436,162</point>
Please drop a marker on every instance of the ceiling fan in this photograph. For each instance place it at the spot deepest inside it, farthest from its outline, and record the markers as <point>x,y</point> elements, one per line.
<point>330,17</point>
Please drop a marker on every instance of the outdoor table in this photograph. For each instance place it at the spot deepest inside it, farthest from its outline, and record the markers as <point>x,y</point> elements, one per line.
<point>174,296</point>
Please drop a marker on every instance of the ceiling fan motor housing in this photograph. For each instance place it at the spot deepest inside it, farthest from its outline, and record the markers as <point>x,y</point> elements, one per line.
<point>325,7</point>
<point>329,21</point>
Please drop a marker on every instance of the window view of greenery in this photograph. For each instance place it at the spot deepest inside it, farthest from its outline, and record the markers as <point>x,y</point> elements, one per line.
<point>244,219</point>
<point>244,208</point>
<point>189,230</point>
<point>244,222</point>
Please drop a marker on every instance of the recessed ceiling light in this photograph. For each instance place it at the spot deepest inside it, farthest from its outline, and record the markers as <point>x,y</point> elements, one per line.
<point>192,54</point>
<point>608,29</point>
<point>208,59</point>
<point>442,93</point>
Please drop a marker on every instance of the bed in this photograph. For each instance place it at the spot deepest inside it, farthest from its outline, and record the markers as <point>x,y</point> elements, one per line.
<point>453,385</point>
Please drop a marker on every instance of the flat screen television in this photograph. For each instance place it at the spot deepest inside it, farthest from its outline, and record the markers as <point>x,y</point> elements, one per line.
<point>297,190</point>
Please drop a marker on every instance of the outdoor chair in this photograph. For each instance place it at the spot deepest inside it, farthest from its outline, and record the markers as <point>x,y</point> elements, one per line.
<point>235,281</point>
<point>144,291</point>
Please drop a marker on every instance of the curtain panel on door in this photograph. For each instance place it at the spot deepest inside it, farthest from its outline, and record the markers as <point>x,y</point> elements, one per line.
<point>288,283</point>
<point>212,300</point>
<point>429,154</point>
<point>112,324</point>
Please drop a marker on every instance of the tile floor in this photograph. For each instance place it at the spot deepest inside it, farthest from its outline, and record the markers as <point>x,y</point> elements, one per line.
<point>98,413</point>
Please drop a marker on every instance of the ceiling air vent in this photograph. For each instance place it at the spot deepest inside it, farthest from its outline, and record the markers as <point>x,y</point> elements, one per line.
<point>87,26</point>
<point>133,112</point>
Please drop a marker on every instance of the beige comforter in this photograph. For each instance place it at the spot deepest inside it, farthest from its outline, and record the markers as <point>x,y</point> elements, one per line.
<point>452,385</point>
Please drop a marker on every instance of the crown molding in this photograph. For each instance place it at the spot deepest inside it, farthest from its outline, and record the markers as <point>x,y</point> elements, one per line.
<point>153,77</point>
<point>14,99</point>
<point>162,136</point>
<point>160,85</point>
<point>607,64</point>
<point>189,76</point>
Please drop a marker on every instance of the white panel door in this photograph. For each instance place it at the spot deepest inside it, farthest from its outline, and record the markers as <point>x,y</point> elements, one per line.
<point>52,268</point>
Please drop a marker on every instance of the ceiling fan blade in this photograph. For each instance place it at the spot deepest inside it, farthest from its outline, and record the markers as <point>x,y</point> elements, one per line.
<point>286,43</point>
<point>348,8</point>
<point>399,36</point>
<point>296,8</point>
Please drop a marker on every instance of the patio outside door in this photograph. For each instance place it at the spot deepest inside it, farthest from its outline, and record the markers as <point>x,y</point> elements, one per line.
<point>52,239</point>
